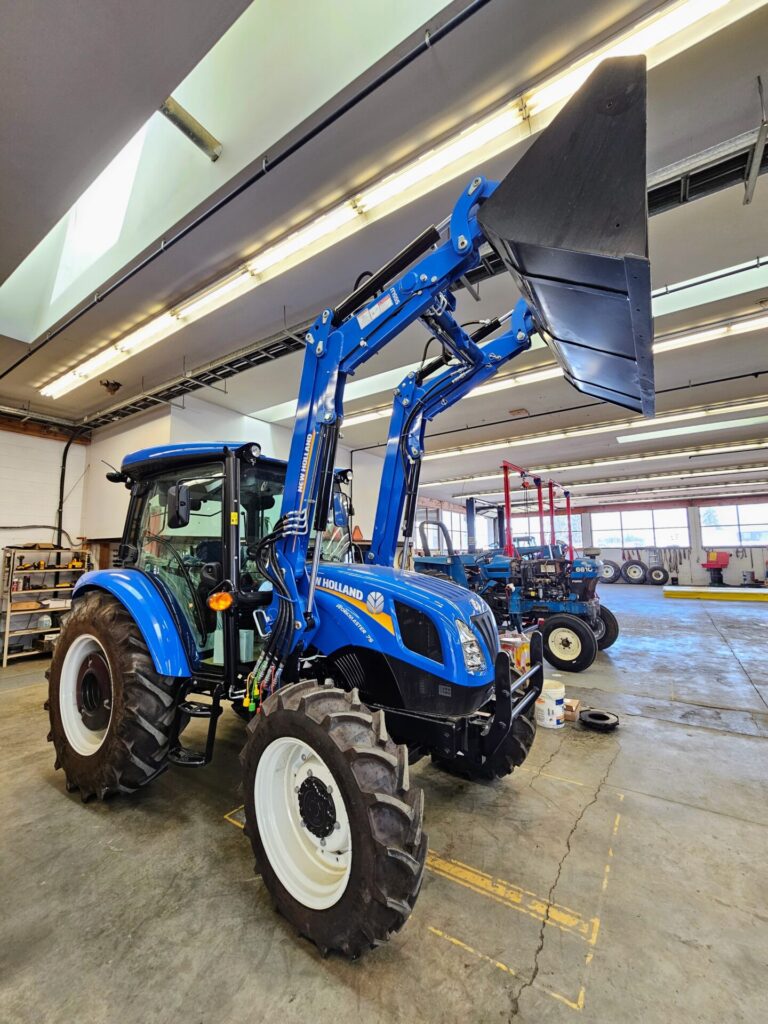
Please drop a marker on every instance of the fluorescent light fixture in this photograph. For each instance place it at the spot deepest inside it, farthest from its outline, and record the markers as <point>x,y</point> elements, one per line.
<point>138,340</point>
<point>743,325</point>
<point>695,428</point>
<point>613,481</point>
<point>305,242</point>
<point>206,302</point>
<point>643,38</point>
<point>517,380</point>
<point>619,496</point>
<point>602,428</point>
<point>660,36</point>
<point>367,417</point>
<point>438,165</point>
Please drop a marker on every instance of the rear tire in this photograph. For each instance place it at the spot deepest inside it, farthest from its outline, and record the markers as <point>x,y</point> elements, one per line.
<point>334,824</point>
<point>608,634</point>
<point>634,571</point>
<point>610,572</point>
<point>111,713</point>
<point>569,643</point>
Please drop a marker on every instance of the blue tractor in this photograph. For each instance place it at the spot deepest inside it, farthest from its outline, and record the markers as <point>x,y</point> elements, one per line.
<point>229,594</point>
<point>538,584</point>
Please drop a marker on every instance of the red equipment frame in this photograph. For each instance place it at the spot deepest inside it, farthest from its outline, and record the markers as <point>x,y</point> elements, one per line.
<point>509,544</point>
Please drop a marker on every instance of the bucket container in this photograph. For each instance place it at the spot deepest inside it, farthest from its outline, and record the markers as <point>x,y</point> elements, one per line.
<point>550,706</point>
<point>570,223</point>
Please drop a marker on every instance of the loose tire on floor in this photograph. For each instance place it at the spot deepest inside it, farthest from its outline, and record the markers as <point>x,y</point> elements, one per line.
<point>111,713</point>
<point>610,572</point>
<point>658,575</point>
<point>569,643</point>
<point>607,631</point>
<point>335,826</point>
<point>634,571</point>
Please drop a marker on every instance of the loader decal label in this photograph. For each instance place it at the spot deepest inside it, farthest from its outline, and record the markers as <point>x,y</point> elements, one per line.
<point>387,301</point>
<point>308,444</point>
<point>355,597</point>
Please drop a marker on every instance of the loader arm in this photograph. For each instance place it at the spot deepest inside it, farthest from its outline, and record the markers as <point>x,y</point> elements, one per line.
<point>568,287</point>
<point>338,343</point>
<point>421,397</point>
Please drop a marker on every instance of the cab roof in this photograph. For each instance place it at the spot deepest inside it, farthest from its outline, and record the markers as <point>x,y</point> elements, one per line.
<point>167,456</point>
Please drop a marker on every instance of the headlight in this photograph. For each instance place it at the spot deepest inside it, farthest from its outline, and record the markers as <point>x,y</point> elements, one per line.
<point>474,659</point>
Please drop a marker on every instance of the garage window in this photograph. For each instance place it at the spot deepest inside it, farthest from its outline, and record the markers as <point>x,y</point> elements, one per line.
<point>734,525</point>
<point>641,528</point>
<point>529,526</point>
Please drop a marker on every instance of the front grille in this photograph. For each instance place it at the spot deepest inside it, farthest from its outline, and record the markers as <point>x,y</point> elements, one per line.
<point>485,624</point>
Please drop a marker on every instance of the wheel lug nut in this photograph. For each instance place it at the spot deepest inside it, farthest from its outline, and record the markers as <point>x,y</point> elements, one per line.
<point>303,824</point>
<point>309,773</point>
<point>336,825</point>
<point>322,842</point>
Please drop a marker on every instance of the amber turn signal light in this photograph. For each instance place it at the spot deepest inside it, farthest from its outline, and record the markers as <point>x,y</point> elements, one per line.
<point>220,601</point>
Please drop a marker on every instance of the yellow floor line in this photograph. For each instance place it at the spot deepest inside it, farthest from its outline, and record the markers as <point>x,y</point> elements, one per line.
<point>548,775</point>
<point>513,896</point>
<point>758,594</point>
<point>578,1004</point>
<point>233,821</point>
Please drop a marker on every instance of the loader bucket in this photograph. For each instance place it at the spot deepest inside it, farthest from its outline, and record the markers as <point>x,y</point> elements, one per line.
<point>570,222</point>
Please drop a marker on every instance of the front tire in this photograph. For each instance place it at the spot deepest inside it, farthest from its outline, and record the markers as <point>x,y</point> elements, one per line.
<point>335,827</point>
<point>607,632</point>
<point>111,713</point>
<point>569,643</point>
<point>510,755</point>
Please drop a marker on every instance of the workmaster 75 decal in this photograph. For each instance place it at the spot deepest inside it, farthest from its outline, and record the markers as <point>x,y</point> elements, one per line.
<point>372,606</point>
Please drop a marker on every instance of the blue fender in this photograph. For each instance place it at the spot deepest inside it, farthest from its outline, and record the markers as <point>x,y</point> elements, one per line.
<point>150,612</point>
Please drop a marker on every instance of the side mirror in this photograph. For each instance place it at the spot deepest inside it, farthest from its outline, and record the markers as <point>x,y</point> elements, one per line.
<point>178,506</point>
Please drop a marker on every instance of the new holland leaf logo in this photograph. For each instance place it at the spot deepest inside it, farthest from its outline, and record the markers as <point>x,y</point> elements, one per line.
<point>375,602</point>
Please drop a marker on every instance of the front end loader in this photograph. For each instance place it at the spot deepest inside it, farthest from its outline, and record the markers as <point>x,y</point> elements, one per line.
<point>231,588</point>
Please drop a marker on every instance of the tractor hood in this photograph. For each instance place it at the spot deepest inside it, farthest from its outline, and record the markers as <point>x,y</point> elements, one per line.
<point>406,616</point>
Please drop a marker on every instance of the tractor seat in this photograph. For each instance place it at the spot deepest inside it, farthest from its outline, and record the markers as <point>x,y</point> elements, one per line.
<point>209,551</point>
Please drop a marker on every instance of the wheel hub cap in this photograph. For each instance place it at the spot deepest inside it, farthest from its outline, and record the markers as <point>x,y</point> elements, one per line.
<point>94,692</point>
<point>565,644</point>
<point>316,807</point>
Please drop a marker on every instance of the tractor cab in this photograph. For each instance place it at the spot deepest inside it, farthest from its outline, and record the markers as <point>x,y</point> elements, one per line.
<point>196,516</point>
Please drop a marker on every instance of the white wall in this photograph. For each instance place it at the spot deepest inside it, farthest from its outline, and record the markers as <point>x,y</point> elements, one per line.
<point>366,480</point>
<point>29,486</point>
<point>203,421</point>
<point>105,504</point>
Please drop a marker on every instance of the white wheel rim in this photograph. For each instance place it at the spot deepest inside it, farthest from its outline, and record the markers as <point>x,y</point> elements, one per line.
<point>313,868</point>
<point>599,628</point>
<point>634,572</point>
<point>84,740</point>
<point>606,572</point>
<point>564,643</point>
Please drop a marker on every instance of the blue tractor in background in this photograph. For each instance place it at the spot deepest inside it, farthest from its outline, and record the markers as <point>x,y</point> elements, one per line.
<point>229,593</point>
<point>538,585</point>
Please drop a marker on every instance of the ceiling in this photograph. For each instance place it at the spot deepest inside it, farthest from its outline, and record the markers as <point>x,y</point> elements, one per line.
<point>698,99</point>
<point>77,80</point>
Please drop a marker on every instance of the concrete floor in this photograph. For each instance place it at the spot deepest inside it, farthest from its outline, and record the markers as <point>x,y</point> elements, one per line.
<point>615,878</point>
